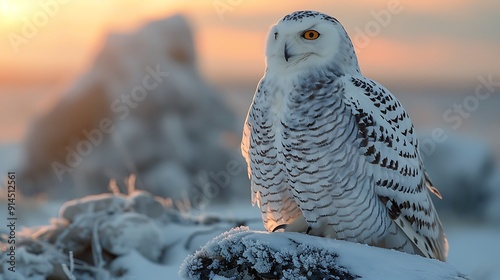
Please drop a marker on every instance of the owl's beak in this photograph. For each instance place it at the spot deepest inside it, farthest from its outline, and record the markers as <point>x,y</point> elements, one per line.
<point>286,53</point>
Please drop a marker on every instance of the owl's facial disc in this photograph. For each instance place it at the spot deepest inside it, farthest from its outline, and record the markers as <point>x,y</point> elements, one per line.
<point>301,45</point>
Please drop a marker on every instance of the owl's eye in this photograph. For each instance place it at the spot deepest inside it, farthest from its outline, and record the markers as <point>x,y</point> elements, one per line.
<point>275,35</point>
<point>310,35</point>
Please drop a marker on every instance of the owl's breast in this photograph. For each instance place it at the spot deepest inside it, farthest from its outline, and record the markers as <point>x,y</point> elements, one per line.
<point>322,164</point>
<point>311,127</point>
<point>265,118</point>
<point>310,118</point>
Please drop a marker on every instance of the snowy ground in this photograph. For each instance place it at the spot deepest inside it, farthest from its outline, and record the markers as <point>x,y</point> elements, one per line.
<point>474,249</point>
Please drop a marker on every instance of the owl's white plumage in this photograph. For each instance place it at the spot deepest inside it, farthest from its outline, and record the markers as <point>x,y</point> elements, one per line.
<point>333,153</point>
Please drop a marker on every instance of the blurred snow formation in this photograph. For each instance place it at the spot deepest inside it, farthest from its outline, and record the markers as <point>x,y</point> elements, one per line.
<point>144,109</point>
<point>466,173</point>
<point>93,234</point>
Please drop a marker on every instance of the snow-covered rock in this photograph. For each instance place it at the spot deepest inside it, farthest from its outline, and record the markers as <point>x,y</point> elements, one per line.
<point>143,108</point>
<point>245,254</point>
<point>122,234</point>
<point>110,236</point>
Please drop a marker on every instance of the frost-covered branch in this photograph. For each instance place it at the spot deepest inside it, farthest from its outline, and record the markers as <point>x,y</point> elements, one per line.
<point>245,254</point>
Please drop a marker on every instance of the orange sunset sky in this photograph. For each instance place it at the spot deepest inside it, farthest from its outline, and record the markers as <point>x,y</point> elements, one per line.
<point>446,43</point>
<point>442,40</point>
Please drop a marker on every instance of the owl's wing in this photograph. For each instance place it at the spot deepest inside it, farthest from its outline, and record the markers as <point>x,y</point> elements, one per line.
<point>268,187</point>
<point>388,142</point>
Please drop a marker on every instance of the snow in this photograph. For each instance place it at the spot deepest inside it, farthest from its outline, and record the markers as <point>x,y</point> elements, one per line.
<point>242,253</point>
<point>474,248</point>
<point>465,172</point>
<point>135,266</point>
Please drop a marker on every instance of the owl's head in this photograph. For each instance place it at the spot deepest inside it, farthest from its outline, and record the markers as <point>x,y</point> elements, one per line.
<point>305,40</point>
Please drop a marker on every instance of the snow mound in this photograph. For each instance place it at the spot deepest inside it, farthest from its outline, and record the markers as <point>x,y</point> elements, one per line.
<point>110,236</point>
<point>465,171</point>
<point>143,108</point>
<point>89,234</point>
<point>245,254</point>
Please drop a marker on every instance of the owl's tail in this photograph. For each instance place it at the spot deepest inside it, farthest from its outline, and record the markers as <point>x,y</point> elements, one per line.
<point>402,237</point>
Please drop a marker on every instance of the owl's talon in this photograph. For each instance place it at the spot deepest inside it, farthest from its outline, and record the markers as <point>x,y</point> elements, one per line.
<point>308,230</point>
<point>280,228</point>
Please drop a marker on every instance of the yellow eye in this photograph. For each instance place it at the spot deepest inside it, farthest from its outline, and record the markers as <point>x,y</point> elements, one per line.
<point>311,35</point>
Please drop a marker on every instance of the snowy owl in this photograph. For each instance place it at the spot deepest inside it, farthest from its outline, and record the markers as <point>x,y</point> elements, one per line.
<point>332,153</point>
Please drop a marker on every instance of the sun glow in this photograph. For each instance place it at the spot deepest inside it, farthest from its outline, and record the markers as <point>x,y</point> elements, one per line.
<point>61,33</point>
<point>12,12</point>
